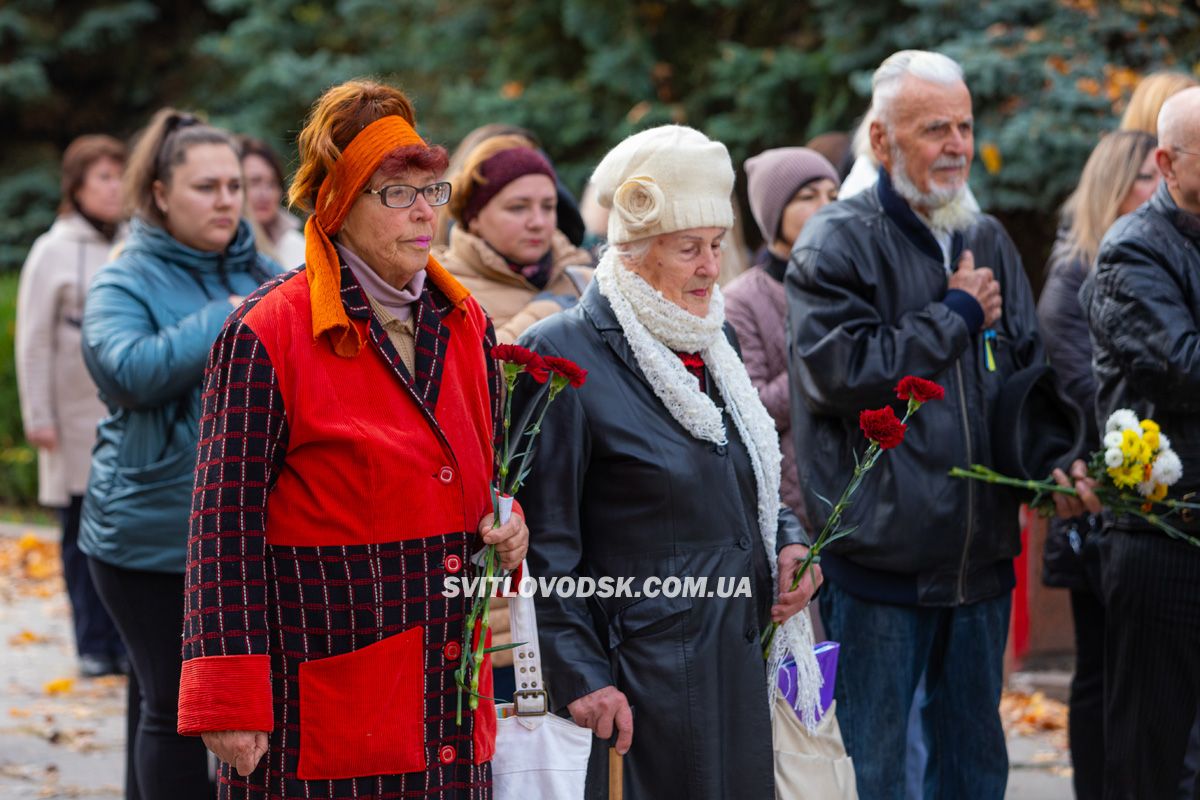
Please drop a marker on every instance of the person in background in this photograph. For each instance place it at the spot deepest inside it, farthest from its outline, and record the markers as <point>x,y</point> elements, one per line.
<point>59,407</point>
<point>1152,91</point>
<point>1119,176</point>
<point>277,233</point>
<point>570,221</point>
<point>1142,302</point>
<point>150,319</point>
<point>505,246</point>
<point>785,186</point>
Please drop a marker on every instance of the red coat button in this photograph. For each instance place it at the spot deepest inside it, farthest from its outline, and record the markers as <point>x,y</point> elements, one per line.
<point>452,563</point>
<point>445,475</point>
<point>452,650</point>
<point>447,754</point>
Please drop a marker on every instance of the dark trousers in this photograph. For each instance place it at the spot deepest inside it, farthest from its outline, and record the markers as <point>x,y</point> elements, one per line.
<point>95,633</point>
<point>1085,724</point>
<point>1152,661</point>
<point>884,651</point>
<point>148,610</point>
<point>1086,720</point>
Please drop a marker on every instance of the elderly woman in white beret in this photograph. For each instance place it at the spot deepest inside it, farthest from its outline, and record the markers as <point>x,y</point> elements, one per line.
<point>665,465</point>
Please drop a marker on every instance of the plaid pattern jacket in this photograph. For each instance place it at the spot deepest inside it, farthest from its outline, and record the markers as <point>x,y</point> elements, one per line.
<point>323,621</point>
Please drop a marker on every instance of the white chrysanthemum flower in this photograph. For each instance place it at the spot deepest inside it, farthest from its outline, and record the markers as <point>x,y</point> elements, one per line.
<point>1146,488</point>
<point>1167,468</point>
<point>1113,457</point>
<point>1122,419</point>
<point>1164,444</point>
<point>1112,439</point>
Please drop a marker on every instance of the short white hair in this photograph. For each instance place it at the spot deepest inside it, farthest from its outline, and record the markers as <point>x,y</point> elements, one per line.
<point>1178,116</point>
<point>922,64</point>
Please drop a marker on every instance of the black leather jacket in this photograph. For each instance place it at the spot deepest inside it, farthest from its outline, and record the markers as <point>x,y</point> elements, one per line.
<point>866,293</point>
<point>619,488</point>
<point>1143,305</point>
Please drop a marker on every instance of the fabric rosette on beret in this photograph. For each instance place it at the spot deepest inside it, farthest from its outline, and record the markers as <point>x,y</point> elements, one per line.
<point>639,201</point>
<point>665,179</point>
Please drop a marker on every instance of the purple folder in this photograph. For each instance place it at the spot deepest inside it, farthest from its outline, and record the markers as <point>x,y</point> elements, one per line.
<point>827,658</point>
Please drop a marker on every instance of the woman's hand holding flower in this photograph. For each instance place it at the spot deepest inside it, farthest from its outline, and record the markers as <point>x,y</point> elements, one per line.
<point>511,539</point>
<point>789,602</point>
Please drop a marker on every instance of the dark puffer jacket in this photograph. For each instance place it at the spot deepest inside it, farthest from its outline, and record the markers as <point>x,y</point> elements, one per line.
<point>869,303</point>
<point>1143,307</point>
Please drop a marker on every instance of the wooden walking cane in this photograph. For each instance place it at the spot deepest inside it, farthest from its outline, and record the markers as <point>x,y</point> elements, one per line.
<point>616,777</point>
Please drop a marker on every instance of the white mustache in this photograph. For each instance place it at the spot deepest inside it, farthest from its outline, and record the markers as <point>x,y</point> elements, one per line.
<point>948,162</point>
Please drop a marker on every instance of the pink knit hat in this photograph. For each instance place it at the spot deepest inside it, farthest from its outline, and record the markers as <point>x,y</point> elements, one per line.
<point>774,176</point>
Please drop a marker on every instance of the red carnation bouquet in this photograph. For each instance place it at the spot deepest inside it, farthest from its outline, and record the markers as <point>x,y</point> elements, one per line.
<point>513,462</point>
<point>883,430</point>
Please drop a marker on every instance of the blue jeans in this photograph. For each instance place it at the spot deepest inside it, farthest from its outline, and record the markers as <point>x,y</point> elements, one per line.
<point>884,651</point>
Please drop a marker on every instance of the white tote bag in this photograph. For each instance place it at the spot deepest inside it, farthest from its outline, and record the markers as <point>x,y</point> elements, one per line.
<point>538,754</point>
<point>810,764</point>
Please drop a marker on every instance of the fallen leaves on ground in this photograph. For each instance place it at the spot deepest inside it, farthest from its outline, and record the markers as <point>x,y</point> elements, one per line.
<point>1027,714</point>
<point>59,686</point>
<point>30,566</point>
<point>27,637</point>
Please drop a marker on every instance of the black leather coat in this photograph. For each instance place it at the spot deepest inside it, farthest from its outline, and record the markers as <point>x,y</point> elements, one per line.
<point>865,308</point>
<point>1143,306</point>
<point>620,489</point>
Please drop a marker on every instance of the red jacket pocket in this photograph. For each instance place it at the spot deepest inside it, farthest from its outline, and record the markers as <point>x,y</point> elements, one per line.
<point>363,713</point>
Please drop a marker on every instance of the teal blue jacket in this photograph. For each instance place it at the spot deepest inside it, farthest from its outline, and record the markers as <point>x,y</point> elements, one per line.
<point>150,319</point>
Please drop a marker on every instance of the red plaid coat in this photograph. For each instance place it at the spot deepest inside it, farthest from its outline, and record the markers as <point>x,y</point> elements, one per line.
<point>332,497</point>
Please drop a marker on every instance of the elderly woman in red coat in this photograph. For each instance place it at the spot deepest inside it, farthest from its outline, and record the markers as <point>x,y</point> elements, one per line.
<point>344,470</point>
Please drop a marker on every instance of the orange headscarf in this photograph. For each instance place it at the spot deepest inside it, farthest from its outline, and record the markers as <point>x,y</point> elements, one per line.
<point>337,194</point>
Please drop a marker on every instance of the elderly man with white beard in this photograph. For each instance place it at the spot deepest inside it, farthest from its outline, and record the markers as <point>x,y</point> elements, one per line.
<point>908,278</point>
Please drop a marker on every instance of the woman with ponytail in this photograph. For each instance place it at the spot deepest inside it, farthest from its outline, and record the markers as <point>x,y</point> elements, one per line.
<point>150,319</point>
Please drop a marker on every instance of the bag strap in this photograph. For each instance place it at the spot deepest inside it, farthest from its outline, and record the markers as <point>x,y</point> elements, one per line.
<point>530,698</point>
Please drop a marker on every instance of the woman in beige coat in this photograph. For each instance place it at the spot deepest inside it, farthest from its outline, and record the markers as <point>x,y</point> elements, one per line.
<point>59,404</point>
<point>505,246</point>
<point>506,249</point>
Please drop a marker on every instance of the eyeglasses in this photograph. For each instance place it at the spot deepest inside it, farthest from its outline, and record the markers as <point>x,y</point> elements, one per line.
<point>1181,150</point>
<point>401,195</point>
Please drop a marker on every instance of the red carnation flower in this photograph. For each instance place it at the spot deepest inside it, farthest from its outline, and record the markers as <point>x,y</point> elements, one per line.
<point>882,427</point>
<point>919,389</point>
<point>529,361</point>
<point>575,374</point>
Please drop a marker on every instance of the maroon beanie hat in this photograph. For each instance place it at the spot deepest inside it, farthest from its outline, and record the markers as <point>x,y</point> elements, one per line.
<point>499,171</point>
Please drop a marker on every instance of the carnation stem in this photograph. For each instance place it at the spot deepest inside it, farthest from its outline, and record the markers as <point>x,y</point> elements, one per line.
<point>833,523</point>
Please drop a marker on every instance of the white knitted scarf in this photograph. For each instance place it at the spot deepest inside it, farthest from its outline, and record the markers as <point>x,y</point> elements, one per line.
<point>654,327</point>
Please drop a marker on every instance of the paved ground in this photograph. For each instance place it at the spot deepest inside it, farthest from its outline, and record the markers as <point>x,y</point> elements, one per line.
<point>62,737</point>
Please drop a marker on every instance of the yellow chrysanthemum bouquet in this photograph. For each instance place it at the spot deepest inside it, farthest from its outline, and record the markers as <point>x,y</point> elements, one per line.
<point>1134,470</point>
